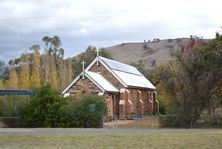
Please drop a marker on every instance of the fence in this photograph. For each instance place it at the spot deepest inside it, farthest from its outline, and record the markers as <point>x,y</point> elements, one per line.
<point>133,121</point>
<point>156,121</point>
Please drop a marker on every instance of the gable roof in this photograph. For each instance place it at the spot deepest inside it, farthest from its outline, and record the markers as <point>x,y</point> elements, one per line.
<point>101,81</point>
<point>97,79</point>
<point>127,75</point>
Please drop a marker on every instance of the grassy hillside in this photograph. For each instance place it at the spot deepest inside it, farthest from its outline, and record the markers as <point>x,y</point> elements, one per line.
<point>159,50</point>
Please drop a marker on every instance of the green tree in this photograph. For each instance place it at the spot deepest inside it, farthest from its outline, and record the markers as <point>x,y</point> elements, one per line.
<point>88,56</point>
<point>44,109</point>
<point>196,81</point>
<point>87,112</point>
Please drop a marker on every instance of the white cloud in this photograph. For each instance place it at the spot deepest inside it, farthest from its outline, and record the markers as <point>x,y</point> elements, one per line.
<point>100,22</point>
<point>83,30</point>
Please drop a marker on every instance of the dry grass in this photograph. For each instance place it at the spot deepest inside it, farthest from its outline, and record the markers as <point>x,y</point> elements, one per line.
<point>133,52</point>
<point>146,122</point>
<point>194,140</point>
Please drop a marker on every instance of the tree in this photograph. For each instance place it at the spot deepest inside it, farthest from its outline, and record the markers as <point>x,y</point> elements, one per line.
<point>13,78</point>
<point>2,68</point>
<point>35,74</point>
<point>69,71</point>
<point>1,84</point>
<point>196,81</point>
<point>88,56</point>
<point>53,72</point>
<point>44,109</point>
<point>53,62</point>
<point>46,39</point>
<point>24,72</point>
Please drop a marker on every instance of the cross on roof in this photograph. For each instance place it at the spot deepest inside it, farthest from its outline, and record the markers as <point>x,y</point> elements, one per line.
<point>97,52</point>
<point>83,65</point>
<point>83,69</point>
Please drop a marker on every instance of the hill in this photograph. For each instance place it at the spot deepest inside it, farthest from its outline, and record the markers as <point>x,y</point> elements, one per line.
<point>149,52</point>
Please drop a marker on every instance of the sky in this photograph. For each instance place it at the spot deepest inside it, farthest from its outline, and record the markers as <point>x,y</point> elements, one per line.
<point>102,23</point>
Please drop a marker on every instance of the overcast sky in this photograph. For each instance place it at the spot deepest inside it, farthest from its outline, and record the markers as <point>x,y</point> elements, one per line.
<point>102,23</point>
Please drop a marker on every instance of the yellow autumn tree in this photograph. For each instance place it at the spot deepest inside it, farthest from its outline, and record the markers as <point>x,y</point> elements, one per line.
<point>35,74</point>
<point>13,79</point>
<point>53,72</point>
<point>69,72</point>
<point>24,73</point>
<point>1,84</point>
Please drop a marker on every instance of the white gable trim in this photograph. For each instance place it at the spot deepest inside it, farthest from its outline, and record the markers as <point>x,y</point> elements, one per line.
<point>70,85</point>
<point>91,64</point>
<point>107,67</point>
<point>77,78</point>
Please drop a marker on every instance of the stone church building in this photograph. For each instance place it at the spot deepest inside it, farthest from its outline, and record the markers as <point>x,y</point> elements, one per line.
<point>125,89</point>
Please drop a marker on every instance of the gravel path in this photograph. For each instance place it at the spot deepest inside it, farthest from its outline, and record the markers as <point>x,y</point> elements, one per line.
<point>94,131</point>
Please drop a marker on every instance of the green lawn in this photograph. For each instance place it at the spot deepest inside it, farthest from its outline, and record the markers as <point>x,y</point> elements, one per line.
<point>197,139</point>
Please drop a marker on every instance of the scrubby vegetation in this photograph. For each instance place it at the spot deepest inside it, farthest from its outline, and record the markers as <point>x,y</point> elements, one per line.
<point>190,85</point>
<point>49,109</point>
<point>87,112</point>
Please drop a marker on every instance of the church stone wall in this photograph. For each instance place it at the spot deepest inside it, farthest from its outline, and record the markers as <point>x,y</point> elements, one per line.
<point>83,86</point>
<point>142,101</point>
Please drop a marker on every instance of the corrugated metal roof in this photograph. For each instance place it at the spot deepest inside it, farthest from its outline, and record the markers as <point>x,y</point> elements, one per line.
<point>120,66</point>
<point>134,80</point>
<point>101,81</point>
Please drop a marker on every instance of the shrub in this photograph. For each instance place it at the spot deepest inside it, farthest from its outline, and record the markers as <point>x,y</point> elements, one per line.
<point>177,116</point>
<point>209,121</point>
<point>12,105</point>
<point>43,110</point>
<point>10,108</point>
<point>87,112</point>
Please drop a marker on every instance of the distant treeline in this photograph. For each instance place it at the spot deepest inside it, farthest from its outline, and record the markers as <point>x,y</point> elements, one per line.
<point>33,69</point>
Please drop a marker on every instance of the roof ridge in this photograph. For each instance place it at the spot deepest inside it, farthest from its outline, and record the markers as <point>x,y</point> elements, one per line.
<point>130,69</point>
<point>128,72</point>
<point>117,61</point>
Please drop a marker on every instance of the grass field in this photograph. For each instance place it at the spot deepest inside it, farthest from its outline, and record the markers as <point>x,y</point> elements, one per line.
<point>211,139</point>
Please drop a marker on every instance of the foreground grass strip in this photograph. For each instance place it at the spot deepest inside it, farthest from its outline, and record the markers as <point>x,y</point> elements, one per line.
<point>194,140</point>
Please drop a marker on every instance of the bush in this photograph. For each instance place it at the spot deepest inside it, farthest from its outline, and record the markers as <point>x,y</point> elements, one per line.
<point>177,116</point>
<point>88,112</point>
<point>44,109</point>
<point>209,121</point>
<point>49,109</point>
<point>179,121</point>
<point>163,103</point>
<point>167,120</point>
<point>10,122</point>
<point>12,105</point>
